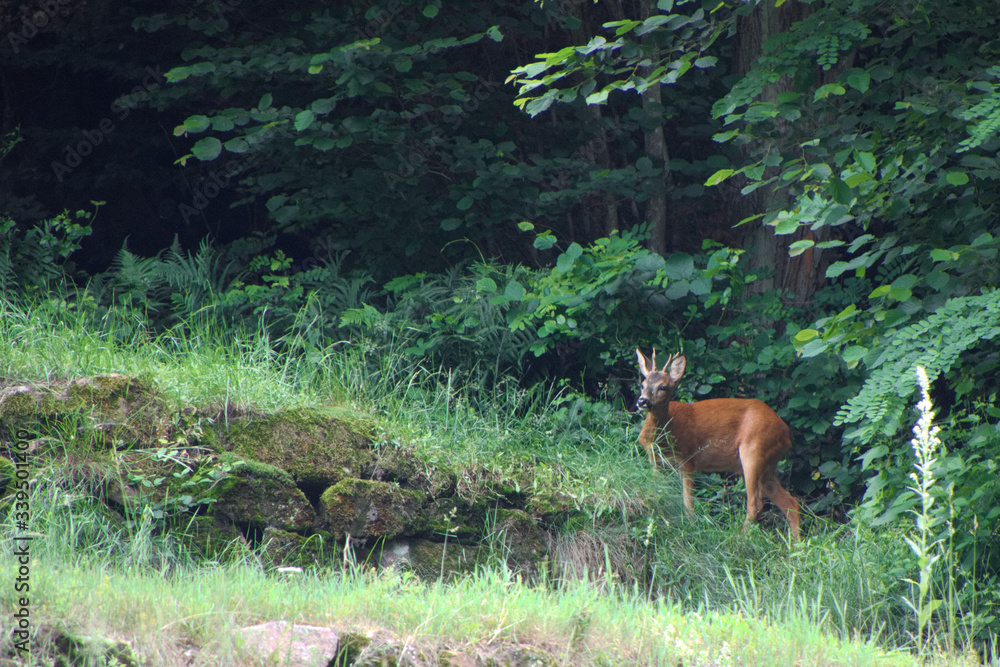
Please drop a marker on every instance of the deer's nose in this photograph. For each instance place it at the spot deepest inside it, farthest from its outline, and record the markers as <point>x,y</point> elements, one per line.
<point>642,403</point>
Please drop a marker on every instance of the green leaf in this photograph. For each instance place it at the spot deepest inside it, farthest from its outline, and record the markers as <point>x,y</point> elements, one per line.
<point>786,226</point>
<point>465,203</point>
<point>822,170</point>
<point>323,143</point>
<point>719,176</point>
<point>839,191</point>
<point>237,145</point>
<point>207,148</point>
<point>956,177</point>
<point>800,247</point>
<point>860,80</point>
<point>679,266</point>
<point>486,285</point>
<point>677,290</point>
<point>222,124</point>
<point>805,335</point>
<point>514,291</point>
<point>829,89</point>
<point>836,269</point>
<point>197,123</point>
<point>525,226</point>
<point>451,224</point>
<point>265,101</point>
<point>866,160</point>
<point>544,241</point>
<point>899,293</point>
<point>430,11</point>
<point>854,354</point>
<point>814,347</point>
<point>905,281</point>
<point>304,119</point>
<point>566,260</point>
<point>876,452</point>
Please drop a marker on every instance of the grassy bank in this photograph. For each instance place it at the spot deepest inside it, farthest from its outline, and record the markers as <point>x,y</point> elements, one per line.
<point>198,611</point>
<point>712,594</point>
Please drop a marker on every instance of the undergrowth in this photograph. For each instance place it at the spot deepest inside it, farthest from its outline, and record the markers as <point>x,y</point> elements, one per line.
<point>710,587</point>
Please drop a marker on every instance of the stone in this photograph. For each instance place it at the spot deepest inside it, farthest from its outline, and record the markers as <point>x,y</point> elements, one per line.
<point>290,645</point>
<point>363,508</point>
<point>261,496</point>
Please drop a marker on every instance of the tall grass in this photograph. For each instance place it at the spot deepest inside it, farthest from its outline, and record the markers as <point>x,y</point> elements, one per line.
<point>198,362</point>
<point>711,593</point>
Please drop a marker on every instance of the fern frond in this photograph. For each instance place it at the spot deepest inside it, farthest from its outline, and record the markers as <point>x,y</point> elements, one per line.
<point>936,342</point>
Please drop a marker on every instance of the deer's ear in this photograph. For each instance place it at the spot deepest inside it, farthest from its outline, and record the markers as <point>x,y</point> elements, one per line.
<point>676,367</point>
<point>645,366</point>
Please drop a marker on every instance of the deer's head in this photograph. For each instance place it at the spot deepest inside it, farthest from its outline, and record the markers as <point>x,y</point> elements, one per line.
<point>658,385</point>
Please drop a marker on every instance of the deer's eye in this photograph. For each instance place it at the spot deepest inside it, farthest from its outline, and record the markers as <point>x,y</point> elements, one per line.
<point>663,387</point>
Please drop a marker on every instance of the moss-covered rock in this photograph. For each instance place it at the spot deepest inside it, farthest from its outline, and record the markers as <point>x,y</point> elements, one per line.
<point>261,496</point>
<point>395,463</point>
<point>430,560</point>
<point>119,407</point>
<point>524,542</point>
<point>315,446</point>
<point>392,654</point>
<point>364,508</point>
<point>7,470</point>
<point>282,548</point>
<point>211,536</point>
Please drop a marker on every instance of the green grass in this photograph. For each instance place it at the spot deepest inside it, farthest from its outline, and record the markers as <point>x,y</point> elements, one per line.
<point>578,623</point>
<point>718,596</point>
<point>57,340</point>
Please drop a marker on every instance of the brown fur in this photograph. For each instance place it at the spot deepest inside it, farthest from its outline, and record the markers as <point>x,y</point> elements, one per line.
<point>739,435</point>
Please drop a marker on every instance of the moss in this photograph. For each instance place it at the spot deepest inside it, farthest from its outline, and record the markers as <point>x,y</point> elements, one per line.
<point>20,403</point>
<point>364,508</point>
<point>428,560</point>
<point>76,649</point>
<point>315,446</point>
<point>525,544</point>
<point>262,471</point>
<point>457,517</point>
<point>547,505</point>
<point>121,404</point>
<point>268,500</point>
<point>282,548</point>
<point>350,646</point>
<point>210,536</point>
<point>7,470</point>
<point>108,390</point>
<point>396,463</point>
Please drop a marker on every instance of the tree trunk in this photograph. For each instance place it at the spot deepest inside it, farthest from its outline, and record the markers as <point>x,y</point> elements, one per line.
<point>767,252</point>
<point>655,145</point>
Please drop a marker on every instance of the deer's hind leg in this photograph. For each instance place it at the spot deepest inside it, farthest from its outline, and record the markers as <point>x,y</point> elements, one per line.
<point>789,505</point>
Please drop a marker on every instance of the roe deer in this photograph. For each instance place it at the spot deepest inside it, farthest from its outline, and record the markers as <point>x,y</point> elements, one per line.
<point>716,435</point>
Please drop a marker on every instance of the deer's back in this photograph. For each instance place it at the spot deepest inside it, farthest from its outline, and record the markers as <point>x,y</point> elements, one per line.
<point>709,434</point>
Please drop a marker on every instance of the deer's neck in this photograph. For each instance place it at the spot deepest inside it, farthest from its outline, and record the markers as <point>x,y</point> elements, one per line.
<point>657,419</point>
